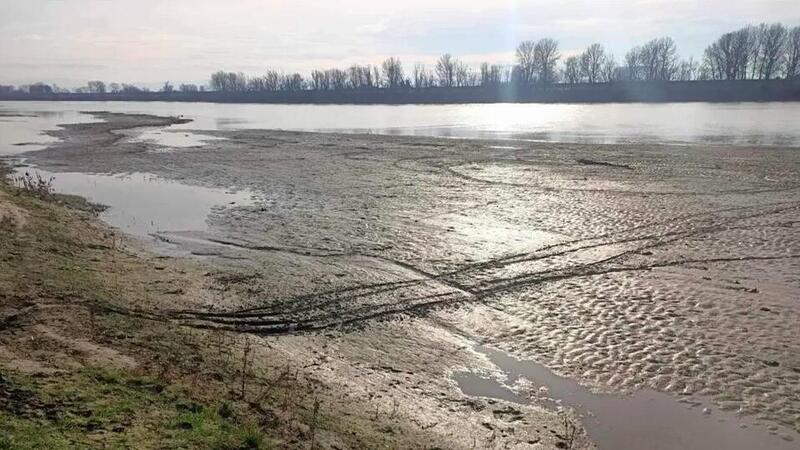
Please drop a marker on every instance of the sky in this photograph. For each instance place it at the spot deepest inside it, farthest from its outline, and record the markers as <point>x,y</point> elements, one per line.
<point>148,42</point>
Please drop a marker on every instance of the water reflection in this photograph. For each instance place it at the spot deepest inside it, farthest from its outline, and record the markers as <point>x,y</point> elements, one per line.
<point>672,123</point>
<point>142,204</point>
<point>646,419</point>
<point>22,131</point>
<point>167,137</point>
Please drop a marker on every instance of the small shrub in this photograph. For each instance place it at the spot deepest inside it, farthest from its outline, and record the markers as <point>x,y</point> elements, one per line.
<point>570,434</point>
<point>225,410</point>
<point>35,184</point>
<point>252,439</point>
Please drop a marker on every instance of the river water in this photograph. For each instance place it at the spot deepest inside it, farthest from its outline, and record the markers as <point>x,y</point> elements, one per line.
<point>667,123</point>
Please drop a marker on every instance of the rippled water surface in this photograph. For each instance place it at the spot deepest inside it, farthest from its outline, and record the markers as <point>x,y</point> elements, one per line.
<point>730,123</point>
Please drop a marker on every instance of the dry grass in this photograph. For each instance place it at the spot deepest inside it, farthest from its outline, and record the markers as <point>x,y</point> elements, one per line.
<point>34,184</point>
<point>65,282</point>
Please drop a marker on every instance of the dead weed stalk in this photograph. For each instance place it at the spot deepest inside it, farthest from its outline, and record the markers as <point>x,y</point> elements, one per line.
<point>35,184</point>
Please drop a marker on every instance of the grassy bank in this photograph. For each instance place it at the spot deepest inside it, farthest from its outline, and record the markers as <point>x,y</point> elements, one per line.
<point>99,407</point>
<point>100,346</point>
<point>90,357</point>
<point>72,375</point>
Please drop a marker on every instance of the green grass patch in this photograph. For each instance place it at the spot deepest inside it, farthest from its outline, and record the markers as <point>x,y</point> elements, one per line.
<point>93,408</point>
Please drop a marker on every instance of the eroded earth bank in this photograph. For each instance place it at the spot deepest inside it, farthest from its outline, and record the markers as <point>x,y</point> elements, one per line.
<point>374,265</point>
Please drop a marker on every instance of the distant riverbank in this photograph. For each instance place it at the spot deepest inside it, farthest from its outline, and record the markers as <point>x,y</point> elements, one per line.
<point>615,92</point>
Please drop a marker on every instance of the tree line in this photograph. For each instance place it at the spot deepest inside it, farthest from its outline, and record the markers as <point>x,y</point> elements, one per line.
<point>762,52</point>
<point>96,87</point>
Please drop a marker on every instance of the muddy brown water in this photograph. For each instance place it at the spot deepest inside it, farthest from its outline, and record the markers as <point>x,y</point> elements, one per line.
<point>646,419</point>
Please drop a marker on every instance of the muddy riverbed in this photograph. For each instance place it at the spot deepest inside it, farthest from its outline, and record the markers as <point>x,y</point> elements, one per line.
<point>623,268</point>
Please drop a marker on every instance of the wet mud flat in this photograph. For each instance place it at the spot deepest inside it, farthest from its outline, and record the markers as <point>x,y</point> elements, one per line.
<point>621,267</point>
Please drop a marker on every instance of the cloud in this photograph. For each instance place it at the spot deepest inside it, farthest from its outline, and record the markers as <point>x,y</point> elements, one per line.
<point>154,40</point>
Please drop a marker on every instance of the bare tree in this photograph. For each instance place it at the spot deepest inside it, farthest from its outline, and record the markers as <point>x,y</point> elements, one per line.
<point>40,88</point>
<point>114,88</point>
<point>96,87</point>
<point>293,82</point>
<point>370,77</point>
<point>423,78</point>
<point>329,79</point>
<point>715,64</point>
<point>272,80</point>
<point>337,78</point>
<point>228,81</point>
<point>633,64</point>
<point>167,88</point>
<point>591,63</point>
<point>219,81</point>
<point>545,57</point>
<point>729,57</point>
<point>609,71</point>
<point>792,54</point>
<point>131,89</point>
<point>741,48</point>
<point>267,82</point>
<point>376,76</point>
<point>485,74</point>
<point>418,75</point>
<point>187,88</point>
<point>771,43</point>
<point>491,75</point>
<point>463,77</point>
<point>360,76</point>
<point>661,58</point>
<point>446,70</point>
<point>256,84</point>
<point>393,72</point>
<point>572,70</point>
<point>687,70</point>
<point>657,60</point>
<point>754,49</point>
<point>355,76</point>
<point>319,80</point>
<point>525,61</point>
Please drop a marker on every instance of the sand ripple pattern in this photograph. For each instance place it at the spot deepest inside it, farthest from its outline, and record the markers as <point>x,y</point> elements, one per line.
<point>623,266</point>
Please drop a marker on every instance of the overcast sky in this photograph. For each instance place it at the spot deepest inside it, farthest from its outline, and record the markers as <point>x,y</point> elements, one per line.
<point>150,41</point>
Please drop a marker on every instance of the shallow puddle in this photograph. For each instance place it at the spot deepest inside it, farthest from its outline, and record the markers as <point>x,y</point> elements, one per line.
<point>646,419</point>
<point>504,147</point>
<point>167,137</point>
<point>142,204</point>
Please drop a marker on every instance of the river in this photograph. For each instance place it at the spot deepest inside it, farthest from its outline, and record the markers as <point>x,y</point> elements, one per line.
<point>668,123</point>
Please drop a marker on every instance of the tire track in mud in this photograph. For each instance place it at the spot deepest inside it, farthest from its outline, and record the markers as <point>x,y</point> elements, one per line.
<point>360,304</point>
<point>450,169</point>
<point>263,324</point>
<point>616,237</point>
<point>277,324</point>
<point>228,243</point>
